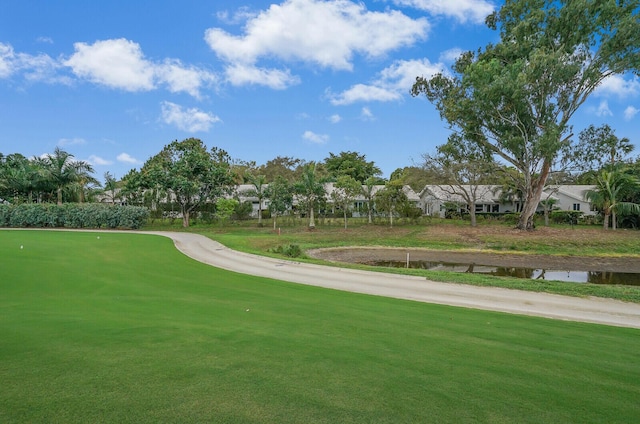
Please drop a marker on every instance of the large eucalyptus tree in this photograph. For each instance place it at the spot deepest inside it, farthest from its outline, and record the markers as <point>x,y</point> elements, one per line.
<point>517,97</point>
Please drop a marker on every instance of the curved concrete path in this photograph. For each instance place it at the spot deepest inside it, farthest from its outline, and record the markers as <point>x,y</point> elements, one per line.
<point>593,310</point>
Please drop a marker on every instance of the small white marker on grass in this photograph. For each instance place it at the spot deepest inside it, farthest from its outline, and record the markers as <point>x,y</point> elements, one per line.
<point>21,247</point>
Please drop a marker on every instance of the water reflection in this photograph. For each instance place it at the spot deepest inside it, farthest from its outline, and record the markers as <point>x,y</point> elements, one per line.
<point>595,277</point>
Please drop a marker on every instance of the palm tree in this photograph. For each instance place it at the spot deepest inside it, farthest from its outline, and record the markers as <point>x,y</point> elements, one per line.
<point>64,172</point>
<point>111,187</point>
<point>611,188</point>
<point>310,187</point>
<point>259,183</point>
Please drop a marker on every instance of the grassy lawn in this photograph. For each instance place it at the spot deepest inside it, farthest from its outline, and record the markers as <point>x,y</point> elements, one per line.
<point>123,328</point>
<point>583,241</point>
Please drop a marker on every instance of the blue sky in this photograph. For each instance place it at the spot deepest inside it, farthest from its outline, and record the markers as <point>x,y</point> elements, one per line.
<point>112,82</point>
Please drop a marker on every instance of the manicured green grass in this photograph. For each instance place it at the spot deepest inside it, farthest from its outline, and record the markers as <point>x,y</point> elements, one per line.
<point>126,329</point>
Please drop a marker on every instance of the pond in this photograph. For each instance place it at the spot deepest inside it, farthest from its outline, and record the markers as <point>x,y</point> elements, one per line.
<point>573,276</point>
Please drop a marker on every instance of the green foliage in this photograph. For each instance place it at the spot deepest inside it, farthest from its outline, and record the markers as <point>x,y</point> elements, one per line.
<point>243,211</point>
<point>290,250</point>
<point>72,215</point>
<point>351,164</point>
<point>188,172</point>
<point>566,217</point>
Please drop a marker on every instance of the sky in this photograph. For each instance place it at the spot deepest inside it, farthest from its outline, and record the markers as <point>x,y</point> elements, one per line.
<point>113,82</point>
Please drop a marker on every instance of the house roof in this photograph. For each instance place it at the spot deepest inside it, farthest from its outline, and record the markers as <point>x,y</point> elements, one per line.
<point>577,192</point>
<point>452,193</point>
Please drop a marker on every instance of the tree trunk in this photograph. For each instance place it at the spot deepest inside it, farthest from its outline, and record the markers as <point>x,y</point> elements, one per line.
<point>532,199</point>
<point>605,220</point>
<point>614,220</point>
<point>59,195</point>
<point>185,217</point>
<point>345,219</point>
<point>312,221</point>
<point>546,216</point>
<point>472,214</point>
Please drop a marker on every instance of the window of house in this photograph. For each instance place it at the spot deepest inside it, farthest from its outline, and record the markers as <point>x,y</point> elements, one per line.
<point>576,206</point>
<point>495,208</point>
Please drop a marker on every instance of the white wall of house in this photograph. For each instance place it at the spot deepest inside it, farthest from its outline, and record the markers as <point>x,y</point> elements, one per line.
<point>567,197</point>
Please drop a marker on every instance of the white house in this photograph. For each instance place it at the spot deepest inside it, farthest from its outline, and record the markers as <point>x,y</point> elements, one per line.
<point>245,192</point>
<point>489,199</point>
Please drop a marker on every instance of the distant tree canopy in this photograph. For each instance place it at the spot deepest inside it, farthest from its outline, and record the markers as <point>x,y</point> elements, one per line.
<point>351,164</point>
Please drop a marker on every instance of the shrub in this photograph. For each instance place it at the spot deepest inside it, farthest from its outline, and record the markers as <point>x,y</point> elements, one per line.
<point>291,251</point>
<point>565,217</point>
<point>72,215</point>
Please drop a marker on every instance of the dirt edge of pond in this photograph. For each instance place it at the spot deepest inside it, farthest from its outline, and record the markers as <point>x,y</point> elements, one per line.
<point>364,255</point>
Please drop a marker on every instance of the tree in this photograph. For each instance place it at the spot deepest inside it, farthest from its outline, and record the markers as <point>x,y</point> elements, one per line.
<point>19,178</point>
<point>611,189</point>
<point>465,166</point>
<point>517,97</point>
<point>280,166</point>
<point>391,198</point>
<point>280,196</point>
<point>111,189</point>
<point>368,191</point>
<point>259,190</point>
<point>225,208</point>
<point>346,188</point>
<point>599,147</point>
<point>351,164</point>
<point>191,173</point>
<point>63,172</point>
<point>310,188</point>
<point>416,177</point>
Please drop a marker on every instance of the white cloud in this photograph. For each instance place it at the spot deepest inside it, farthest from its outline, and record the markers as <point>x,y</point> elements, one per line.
<point>334,119</point>
<point>34,68</point>
<point>115,63</point>
<point>463,10</point>
<point>240,74</point>
<point>180,78</point>
<point>6,60</point>
<point>241,15</point>
<point>451,55</point>
<point>46,40</point>
<point>322,33</point>
<point>71,141</point>
<point>315,138</point>
<point>364,93</point>
<point>603,109</point>
<point>392,83</point>
<point>617,85</point>
<point>120,63</point>
<point>126,158</point>
<point>189,120</point>
<point>630,112</point>
<point>97,160</point>
<point>366,114</point>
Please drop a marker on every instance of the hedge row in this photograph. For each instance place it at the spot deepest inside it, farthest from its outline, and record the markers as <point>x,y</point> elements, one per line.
<point>72,215</point>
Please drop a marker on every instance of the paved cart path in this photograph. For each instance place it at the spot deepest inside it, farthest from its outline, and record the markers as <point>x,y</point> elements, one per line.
<point>593,310</point>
